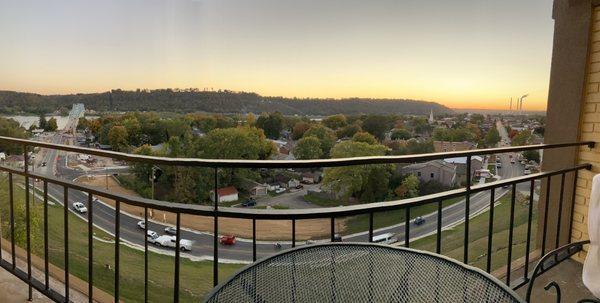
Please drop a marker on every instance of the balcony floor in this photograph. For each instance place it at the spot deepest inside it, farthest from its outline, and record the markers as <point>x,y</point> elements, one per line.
<point>14,290</point>
<point>568,276</point>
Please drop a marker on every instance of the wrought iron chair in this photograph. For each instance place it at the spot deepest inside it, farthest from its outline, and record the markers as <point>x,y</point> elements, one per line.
<point>549,261</point>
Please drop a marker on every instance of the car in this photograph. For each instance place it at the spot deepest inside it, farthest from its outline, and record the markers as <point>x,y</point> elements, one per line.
<point>170,230</point>
<point>498,165</point>
<point>299,186</point>
<point>337,238</point>
<point>151,236</point>
<point>44,164</point>
<point>280,190</point>
<point>141,224</point>
<point>419,220</point>
<point>169,241</point>
<point>309,242</point>
<point>249,202</point>
<point>527,172</point>
<point>227,239</point>
<point>512,161</point>
<point>79,207</point>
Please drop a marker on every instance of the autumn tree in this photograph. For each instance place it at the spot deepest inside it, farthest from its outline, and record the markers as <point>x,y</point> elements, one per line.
<point>118,138</point>
<point>368,183</point>
<point>334,122</point>
<point>308,148</point>
<point>365,137</point>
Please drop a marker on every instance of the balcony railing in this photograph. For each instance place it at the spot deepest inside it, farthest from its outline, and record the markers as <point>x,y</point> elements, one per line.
<point>292,215</point>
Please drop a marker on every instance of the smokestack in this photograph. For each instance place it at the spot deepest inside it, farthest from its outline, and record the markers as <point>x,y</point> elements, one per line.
<point>510,106</point>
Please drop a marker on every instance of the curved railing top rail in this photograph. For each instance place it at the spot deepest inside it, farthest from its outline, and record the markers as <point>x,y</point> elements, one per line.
<point>288,214</point>
<point>236,163</point>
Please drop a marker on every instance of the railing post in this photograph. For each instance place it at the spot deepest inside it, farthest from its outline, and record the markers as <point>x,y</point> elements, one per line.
<point>117,246</point>
<point>177,249</point>
<point>547,204</point>
<point>438,241</point>
<point>90,217</point>
<point>510,232</point>
<point>407,227</point>
<point>66,235</point>
<point>216,230</point>
<point>146,256</point>
<point>467,211</point>
<point>293,232</point>
<point>529,219</point>
<point>12,220</point>
<point>490,230</point>
<point>46,274</point>
<point>253,239</point>
<point>560,206</point>
<point>27,219</point>
<point>573,195</point>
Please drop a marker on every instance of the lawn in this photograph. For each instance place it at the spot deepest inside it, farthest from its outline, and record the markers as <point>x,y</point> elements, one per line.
<point>453,239</point>
<point>195,277</point>
<point>360,223</point>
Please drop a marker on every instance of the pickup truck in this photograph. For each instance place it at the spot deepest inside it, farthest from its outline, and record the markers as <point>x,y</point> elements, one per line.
<point>169,241</point>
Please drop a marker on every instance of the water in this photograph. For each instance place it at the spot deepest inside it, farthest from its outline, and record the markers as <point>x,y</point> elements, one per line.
<point>27,121</point>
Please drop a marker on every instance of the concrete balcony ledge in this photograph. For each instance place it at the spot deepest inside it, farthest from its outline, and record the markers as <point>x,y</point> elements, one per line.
<point>14,290</point>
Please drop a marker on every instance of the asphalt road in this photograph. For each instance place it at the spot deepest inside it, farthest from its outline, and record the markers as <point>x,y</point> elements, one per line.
<point>104,215</point>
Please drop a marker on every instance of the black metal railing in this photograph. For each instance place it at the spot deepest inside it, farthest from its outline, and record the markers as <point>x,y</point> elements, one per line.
<point>293,215</point>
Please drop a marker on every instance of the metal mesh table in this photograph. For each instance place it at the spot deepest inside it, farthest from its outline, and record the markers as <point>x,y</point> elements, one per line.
<point>346,272</point>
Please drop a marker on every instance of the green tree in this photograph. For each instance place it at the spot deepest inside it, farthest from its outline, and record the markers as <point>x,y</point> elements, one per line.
<point>376,125</point>
<point>401,134</point>
<point>325,135</point>
<point>524,137</point>
<point>11,128</point>
<point>271,124</point>
<point>409,187</point>
<point>118,138</point>
<point>492,137</point>
<point>348,131</point>
<point>42,121</point>
<point>365,137</point>
<point>299,129</point>
<point>364,182</point>
<point>334,122</point>
<point>308,148</point>
<point>532,155</point>
<point>235,143</point>
<point>51,125</point>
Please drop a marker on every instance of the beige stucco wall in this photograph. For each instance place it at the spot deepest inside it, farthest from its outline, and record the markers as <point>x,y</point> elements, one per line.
<point>589,129</point>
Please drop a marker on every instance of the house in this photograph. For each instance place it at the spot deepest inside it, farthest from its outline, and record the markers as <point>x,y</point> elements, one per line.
<point>2,156</point>
<point>293,183</point>
<point>254,188</point>
<point>225,194</point>
<point>461,166</point>
<point>311,177</point>
<point>447,146</point>
<point>17,161</point>
<point>435,170</point>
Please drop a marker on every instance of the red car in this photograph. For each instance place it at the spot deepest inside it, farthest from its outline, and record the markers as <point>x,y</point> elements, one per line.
<point>227,239</point>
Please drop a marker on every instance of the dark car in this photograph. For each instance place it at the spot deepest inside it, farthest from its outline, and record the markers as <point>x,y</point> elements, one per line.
<point>43,164</point>
<point>249,202</point>
<point>419,220</point>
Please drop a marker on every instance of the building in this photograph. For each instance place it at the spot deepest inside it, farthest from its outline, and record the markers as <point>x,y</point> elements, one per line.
<point>461,166</point>
<point>448,146</point>
<point>311,177</point>
<point>435,170</point>
<point>225,194</point>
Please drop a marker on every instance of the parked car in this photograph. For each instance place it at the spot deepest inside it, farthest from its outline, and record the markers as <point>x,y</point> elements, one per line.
<point>169,241</point>
<point>151,236</point>
<point>227,239</point>
<point>419,220</point>
<point>337,238</point>
<point>498,165</point>
<point>171,230</point>
<point>79,207</point>
<point>300,186</point>
<point>527,172</point>
<point>44,164</point>
<point>141,224</point>
<point>249,202</point>
<point>512,161</point>
<point>280,190</point>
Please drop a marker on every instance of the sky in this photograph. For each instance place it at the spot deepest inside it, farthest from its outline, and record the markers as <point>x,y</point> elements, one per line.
<point>460,53</point>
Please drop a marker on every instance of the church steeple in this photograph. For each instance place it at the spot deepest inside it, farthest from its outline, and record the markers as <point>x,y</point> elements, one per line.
<point>431,120</point>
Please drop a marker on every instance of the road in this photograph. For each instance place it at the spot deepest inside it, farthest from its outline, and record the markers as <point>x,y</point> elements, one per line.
<point>104,215</point>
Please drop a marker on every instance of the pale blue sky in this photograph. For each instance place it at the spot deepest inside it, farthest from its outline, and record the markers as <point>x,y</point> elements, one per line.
<point>463,53</point>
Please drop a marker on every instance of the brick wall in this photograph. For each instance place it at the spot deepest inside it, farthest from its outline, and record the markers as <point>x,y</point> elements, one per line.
<point>589,130</point>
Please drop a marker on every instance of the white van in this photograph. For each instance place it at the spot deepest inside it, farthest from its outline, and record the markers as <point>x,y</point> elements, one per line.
<point>387,238</point>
